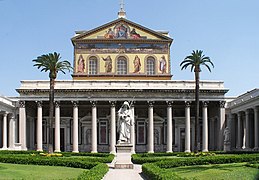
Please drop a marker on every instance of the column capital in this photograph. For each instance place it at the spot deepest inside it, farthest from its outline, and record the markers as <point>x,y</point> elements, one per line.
<point>255,108</point>
<point>187,104</point>
<point>150,103</point>
<point>205,103</point>
<point>57,104</point>
<point>75,104</point>
<point>22,104</point>
<point>222,104</point>
<point>93,103</point>
<point>5,114</point>
<point>113,103</point>
<point>239,114</point>
<point>169,103</point>
<point>39,103</point>
<point>247,112</point>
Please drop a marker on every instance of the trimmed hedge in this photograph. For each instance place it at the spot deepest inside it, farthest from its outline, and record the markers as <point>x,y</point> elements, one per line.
<point>49,161</point>
<point>158,170</point>
<point>96,172</point>
<point>154,172</point>
<point>92,157</point>
<point>96,169</point>
<point>151,157</point>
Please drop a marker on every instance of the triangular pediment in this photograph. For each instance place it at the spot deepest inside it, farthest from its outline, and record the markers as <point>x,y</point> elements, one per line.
<point>121,29</point>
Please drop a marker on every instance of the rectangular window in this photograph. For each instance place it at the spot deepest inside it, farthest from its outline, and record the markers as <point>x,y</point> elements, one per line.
<point>44,131</point>
<point>141,132</point>
<point>103,132</point>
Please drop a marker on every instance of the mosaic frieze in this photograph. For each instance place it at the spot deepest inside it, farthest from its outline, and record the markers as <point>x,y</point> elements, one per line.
<point>121,48</point>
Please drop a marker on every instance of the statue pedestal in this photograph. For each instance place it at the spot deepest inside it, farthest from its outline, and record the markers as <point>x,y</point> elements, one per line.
<point>227,146</point>
<point>123,156</point>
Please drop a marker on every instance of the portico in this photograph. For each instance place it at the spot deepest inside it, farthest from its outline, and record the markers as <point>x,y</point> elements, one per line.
<point>7,124</point>
<point>87,117</point>
<point>243,118</point>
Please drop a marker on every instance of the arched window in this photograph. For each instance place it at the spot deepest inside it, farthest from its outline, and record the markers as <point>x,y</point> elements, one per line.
<point>150,65</point>
<point>122,65</point>
<point>92,65</point>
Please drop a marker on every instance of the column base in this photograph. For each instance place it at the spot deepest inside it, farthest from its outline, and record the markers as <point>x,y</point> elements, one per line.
<point>75,151</point>
<point>39,150</point>
<point>205,150</point>
<point>187,151</point>
<point>57,151</point>
<point>94,152</point>
<point>169,151</point>
<point>150,152</point>
<point>113,152</point>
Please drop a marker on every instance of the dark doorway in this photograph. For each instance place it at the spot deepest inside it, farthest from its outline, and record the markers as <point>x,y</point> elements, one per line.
<point>62,139</point>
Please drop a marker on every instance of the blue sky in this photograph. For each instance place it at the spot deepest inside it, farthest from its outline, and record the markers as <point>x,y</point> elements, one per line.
<point>226,30</point>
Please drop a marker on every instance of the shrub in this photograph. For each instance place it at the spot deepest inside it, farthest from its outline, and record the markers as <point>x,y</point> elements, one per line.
<point>158,170</point>
<point>96,172</point>
<point>152,171</point>
<point>199,154</point>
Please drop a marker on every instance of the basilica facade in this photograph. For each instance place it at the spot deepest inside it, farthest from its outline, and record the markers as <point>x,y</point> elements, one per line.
<point>116,62</point>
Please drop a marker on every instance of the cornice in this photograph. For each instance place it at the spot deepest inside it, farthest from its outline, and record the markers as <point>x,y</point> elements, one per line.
<point>35,91</point>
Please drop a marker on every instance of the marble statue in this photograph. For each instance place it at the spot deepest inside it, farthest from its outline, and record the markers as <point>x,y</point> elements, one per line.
<point>124,123</point>
<point>226,135</point>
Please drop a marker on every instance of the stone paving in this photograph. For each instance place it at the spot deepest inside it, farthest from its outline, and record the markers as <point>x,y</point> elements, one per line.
<point>125,174</point>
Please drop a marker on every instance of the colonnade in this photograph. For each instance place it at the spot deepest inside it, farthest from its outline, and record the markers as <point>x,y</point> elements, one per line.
<point>8,135</point>
<point>243,127</point>
<point>112,142</point>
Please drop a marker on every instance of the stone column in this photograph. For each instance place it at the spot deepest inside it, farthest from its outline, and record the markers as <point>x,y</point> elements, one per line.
<point>246,129</point>
<point>187,127</point>
<point>221,124</point>
<point>11,131</point>
<point>94,127</point>
<point>256,128</point>
<point>205,127</point>
<point>169,128</point>
<point>132,129</point>
<point>113,128</point>
<point>5,130</point>
<point>75,127</point>
<point>239,130</point>
<point>57,126</point>
<point>39,126</point>
<point>150,128</point>
<point>22,125</point>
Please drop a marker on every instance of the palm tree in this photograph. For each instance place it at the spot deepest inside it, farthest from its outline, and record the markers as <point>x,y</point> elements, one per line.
<point>50,62</point>
<point>195,60</point>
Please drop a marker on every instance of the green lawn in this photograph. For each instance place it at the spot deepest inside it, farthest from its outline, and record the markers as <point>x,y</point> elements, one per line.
<point>218,172</point>
<point>19,171</point>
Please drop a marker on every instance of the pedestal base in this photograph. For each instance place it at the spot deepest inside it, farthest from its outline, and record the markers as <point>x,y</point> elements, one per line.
<point>227,146</point>
<point>123,156</point>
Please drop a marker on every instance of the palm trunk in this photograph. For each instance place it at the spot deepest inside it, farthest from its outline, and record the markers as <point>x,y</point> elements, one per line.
<point>51,112</point>
<point>197,100</point>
